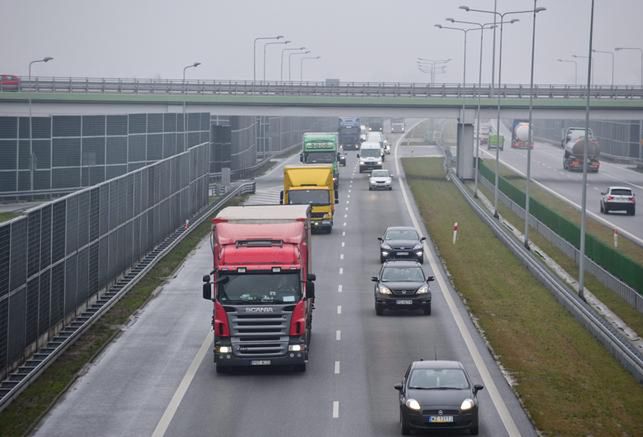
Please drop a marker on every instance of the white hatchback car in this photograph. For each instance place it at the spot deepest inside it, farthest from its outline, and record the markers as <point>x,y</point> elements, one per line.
<point>380,180</point>
<point>618,198</point>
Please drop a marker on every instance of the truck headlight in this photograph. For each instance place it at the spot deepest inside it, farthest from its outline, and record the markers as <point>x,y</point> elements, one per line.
<point>294,348</point>
<point>423,289</point>
<point>467,404</point>
<point>224,349</point>
<point>412,404</point>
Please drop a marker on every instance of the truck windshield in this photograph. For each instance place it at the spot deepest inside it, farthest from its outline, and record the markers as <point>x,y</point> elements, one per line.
<point>319,157</point>
<point>308,197</point>
<point>256,288</point>
<point>370,153</point>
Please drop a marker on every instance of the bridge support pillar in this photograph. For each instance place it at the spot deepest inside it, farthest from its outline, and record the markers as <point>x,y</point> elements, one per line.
<point>464,155</point>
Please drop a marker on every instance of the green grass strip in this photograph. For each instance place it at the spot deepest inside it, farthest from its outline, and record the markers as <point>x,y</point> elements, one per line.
<point>22,415</point>
<point>6,216</point>
<point>568,382</point>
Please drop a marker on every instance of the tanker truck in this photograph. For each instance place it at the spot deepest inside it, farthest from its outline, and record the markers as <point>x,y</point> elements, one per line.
<point>575,147</point>
<point>520,135</point>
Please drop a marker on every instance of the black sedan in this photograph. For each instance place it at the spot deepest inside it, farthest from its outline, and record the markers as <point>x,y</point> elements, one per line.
<point>438,395</point>
<point>401,242</point>
<point>402,285</point>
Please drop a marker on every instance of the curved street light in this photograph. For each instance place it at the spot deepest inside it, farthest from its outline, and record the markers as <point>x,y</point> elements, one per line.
<point>301,65</point>
<point>607,52</point>
<point>291,49</point>
<point>45,59</point>
<point>264,54</point>
<point>185,134</point>
<point>254,52</point>
<point>32,158</point>
<point>290,55</point>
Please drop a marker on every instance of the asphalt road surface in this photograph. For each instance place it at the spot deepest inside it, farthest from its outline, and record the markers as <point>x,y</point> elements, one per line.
<point>158,377</point>
<point>547,169</point>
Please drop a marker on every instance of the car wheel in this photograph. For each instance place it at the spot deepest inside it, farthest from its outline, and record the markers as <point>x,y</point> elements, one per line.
<point>474,430</point>
<point>404,426</point>
<point>382,259</point>
<point>421,259</point>
<point>221,369</point>
<point>633,210</point>
<point>606,209</point>
<point>370,188</point>
<point>427,309</point>
<point>602,209</point>
<point>379,310</point>
<point>390,188</point>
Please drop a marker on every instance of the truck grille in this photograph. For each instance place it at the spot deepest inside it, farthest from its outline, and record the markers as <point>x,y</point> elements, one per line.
<point>260,335</point>
<point>316,215</point>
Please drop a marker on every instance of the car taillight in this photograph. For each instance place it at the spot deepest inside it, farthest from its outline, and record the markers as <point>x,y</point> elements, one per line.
<point>298,320</point>
<point>221,326</point>
<point>610,197</point>
<point>632,199</point>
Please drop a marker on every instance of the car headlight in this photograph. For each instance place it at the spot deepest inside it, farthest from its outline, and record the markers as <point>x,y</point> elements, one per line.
<point>224,349</point>
<point>423,289</point>
<point>417,247</point>
<point>413,404</point>
<point>385,247</point>
<point>384,290</point>
<point>467,404</point>
<point>384,253</point>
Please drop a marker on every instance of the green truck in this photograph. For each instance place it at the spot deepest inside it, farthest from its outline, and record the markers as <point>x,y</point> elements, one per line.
<point>321,148</point>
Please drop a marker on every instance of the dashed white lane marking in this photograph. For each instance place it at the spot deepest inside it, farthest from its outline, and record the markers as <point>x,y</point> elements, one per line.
<point>343,233</point>
<point>339,309</point>
<point>341,256</point>
<point>341,270</point>
<point>335,409</point>
<point>339,288</point>
<point>345,215</point>
<point>338,335</point>
<point>344,224</point>
<point>487,380</point>
<point>170,411</point>
<point>343,244</point>
<point>346,208</point>
<point>336,367</point>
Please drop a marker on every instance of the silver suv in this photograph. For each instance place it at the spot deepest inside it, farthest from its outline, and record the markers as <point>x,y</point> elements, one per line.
<point>618,199</point>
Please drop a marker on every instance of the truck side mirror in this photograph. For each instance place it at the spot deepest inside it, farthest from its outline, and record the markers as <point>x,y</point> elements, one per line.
<point>207,288</point>
<point>310,290</point>
<point>281,197</point>
<point>301,157</point>
<point>336,199</point>
<point>311,277</point>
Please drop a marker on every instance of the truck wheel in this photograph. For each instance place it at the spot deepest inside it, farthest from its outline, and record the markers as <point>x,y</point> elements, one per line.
<point>427,309</point>
<point>379,310</point>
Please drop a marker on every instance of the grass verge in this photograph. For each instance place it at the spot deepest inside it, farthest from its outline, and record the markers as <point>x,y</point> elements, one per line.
<point>567,381</point>
<point>595,228</point>
<point>632,317</point>
<point>22,415</point>
<point>6,216</point>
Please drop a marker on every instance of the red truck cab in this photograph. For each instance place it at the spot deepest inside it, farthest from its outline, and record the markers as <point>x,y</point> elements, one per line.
<point>262,286</point>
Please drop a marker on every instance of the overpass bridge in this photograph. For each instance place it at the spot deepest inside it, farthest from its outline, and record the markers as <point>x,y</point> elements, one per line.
<point>116,95</point>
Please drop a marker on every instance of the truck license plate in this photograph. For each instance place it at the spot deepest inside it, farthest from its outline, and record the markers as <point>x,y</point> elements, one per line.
<point>404,302</point>
<point>260,362</point>
<point>440,419</point>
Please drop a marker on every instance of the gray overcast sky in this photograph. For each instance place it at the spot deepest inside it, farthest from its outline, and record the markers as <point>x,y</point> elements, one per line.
<point>358,40</point>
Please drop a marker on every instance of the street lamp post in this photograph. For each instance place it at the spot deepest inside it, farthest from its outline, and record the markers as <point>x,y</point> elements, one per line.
<point>32,158</point>
<point>583,216</point>
<point>185,134</point>
<point>502,18</point>
<point>290,55</point>
<point>432,63</point>
<point>291,49</point>
<point>618,49</point>
<point>301,65</point>
<point>464,56</point>
<point>607,52</point>
<point>265,46</point>
<point>482,29</point>
<point>569,61</point>
<point>254,53</point>
<point>585,57</point>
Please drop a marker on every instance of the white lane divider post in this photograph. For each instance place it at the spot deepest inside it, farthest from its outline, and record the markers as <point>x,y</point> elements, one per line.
<point>455,232</point>
<point>615,235</point>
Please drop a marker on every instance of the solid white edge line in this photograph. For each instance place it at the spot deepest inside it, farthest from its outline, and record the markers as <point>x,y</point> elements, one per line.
<point>335,409</point>
<point>171,408</point>
<point>595,216</point>
<point>487,380</point>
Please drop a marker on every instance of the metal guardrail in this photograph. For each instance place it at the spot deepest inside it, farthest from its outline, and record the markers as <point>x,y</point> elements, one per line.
<point>613,340</point>
<point>21,378</point>
<point>279,88</point>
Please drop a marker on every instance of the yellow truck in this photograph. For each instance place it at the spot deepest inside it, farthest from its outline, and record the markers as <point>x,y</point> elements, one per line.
<point>311,185</point>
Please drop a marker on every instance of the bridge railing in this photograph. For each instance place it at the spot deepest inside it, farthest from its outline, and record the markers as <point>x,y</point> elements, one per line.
<point>289,88</point>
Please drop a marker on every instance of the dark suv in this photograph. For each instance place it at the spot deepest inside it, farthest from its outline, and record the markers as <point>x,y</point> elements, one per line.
<point>402,285</point>
<point>401,242</point>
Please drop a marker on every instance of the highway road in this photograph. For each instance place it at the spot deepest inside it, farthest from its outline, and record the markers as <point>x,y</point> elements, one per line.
<point>547,169</point>
<point>158,377</point>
